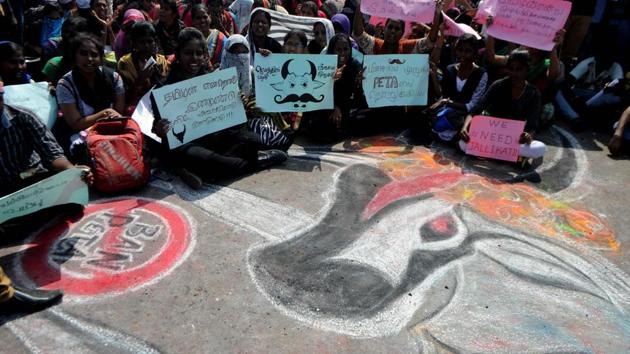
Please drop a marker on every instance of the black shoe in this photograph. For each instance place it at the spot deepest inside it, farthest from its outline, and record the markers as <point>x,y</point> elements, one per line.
<point>192,180</point>
<point>30,300</point>
<point>270,158</point>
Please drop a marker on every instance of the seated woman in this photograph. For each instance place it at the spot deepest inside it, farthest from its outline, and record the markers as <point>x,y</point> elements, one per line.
<point>318,43</point>
<point>222,18</point>
<point>258,36</point>
<point>143,68</point>
<point>332,124</point>
<point>463,85</point>
<point>512,98</point>
<point>227,153</point>
<point>12,64</point>
<point>89,92</point>
<point>56,67</point>
<point>168,26</point>
<point>214,38</point>
<point>122,44</point>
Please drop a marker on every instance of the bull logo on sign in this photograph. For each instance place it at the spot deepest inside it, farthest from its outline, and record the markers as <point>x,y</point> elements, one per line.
<point>299,80</point>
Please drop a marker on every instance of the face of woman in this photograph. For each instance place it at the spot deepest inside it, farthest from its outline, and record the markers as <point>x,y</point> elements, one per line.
<point>517,71</point>
<point>87,58</point>
<point>239,49</point>
<point>320,34</point>
<point>260,25</point>
<point>145,46</point>
<point>166,15</point>
<point>293,46</point>
<point>464,52</point>
<point>201,21</point>
<point>100,8</point>
<point>192,57</point>
<point>343,50</point>
<point>393,31</point>
<point>14,67</point>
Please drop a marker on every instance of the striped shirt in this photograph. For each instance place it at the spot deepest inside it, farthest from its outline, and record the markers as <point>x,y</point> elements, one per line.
<point>25,143</point>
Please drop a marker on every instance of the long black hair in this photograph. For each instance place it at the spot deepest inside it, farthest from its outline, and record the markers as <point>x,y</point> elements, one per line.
<point>336,38</point>
<point>186,35</point>
<point>102,96</point>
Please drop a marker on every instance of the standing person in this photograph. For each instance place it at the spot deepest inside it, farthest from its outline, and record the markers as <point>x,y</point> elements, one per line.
<point>330,125</point>
<point>392,42</point>
<point>463,86</point>
<point>258,36</point>
<point>168,26</point>
<point>143,68</point>
<point>89,92</point>
<point>221,18</point>
<point>215,39</point>
<point>224,154</point>
<point>512,98</point>
<point>577,26</point>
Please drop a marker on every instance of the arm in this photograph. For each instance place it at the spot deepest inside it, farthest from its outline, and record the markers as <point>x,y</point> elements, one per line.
<point>478,94</point>
<point>435,25</point>
<point>554,68</point>
<point>491,57</point>
<point>614,145</point>
<point>77,123</point>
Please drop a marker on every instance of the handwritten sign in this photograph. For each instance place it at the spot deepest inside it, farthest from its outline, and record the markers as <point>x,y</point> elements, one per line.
<point>533,23</point>
<point>407,10</point>
<point>495,138</point>
<point>33,99</point>
<point>294,83</point>
<point>452,28</point>
<point>65,187</point>
<point>396,80</point>
<point>200,106</point>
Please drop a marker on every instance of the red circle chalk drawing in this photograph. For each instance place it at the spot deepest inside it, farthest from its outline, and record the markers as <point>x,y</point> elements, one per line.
<point>118,245</point>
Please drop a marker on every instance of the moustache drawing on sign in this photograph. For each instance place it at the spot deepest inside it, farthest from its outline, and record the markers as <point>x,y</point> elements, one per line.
<point>397,61</point>
<point>180,135</point>
<point>304,98</point>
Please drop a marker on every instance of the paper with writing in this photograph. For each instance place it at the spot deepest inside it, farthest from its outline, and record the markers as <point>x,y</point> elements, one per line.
<point>33,99</point>
<point>407,10</point>
<point>452,28</point>
<point>200,106</point>
<point>495,138</point>
<point>396,80</point>
<point>533,23</point>
<point>294,82</point>
<point>65,187</point>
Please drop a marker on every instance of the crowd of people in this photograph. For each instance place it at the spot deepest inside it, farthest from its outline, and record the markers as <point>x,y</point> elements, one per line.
<point>101,58</point>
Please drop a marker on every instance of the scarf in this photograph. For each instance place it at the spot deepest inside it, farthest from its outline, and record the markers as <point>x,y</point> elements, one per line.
<point>239,61</point>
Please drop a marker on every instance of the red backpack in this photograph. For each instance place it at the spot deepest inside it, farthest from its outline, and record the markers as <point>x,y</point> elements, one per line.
<point>115,148</point>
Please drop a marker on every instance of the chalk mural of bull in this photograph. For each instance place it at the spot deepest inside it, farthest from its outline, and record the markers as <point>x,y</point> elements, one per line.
<point>375,265</point>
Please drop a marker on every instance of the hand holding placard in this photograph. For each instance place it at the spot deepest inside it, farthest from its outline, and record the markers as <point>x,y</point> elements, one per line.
<point>495,138</point>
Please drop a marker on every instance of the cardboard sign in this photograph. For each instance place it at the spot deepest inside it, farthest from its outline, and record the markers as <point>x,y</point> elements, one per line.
<point>200,106</point>
<point>65,187</point>
<point>294,82</point>
<point>407,10</point>
<point>533,23</point>
<point>33,99</point>
<point>396,80</point>
<point>495,138</point>
<point>452,28</point>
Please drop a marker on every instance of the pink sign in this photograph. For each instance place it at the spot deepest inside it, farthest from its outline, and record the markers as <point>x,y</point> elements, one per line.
<point>495,138</point>
<point>533,23</point>
<point>409,10</point>
<point>452,28</point>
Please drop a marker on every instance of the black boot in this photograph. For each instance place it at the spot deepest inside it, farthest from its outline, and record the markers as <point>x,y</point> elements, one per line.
<point>270,158</point>
<point>30,300</point>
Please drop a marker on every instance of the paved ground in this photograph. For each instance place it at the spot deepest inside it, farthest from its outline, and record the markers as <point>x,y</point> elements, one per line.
<point>369,246</point>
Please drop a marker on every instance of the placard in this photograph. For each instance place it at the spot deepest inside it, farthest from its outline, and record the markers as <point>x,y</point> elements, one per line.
<point>65,187</point>
<point>200,106</point>
<point>533,23</point>
<point>396,80</point>
<point>452,28</point>
<point>294,82</point>
<point>33,99</point>
<point>407,10</point>
<point>495,138</point>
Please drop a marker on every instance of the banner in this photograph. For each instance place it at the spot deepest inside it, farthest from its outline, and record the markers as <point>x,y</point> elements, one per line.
<point>200,106</point>
<point>65,187</point>
<point>33,99</point>
<point>294,82</point>
<point>495,138</point>
<point>396,80</point>
<point>532,23</point>
<point>452,28</point>
<point>407,10</point>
